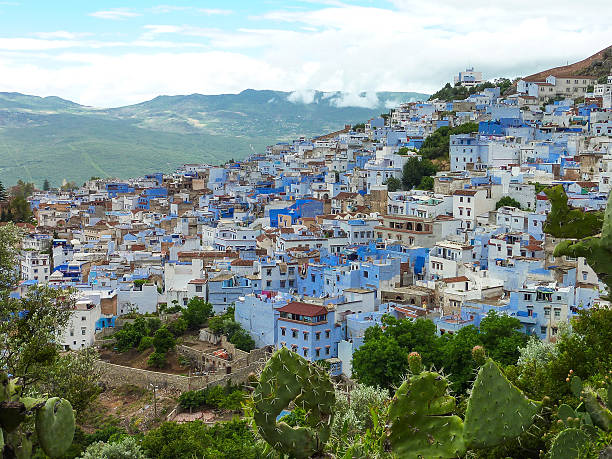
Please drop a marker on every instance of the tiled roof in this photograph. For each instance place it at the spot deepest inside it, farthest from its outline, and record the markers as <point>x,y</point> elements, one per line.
<point>304,309</point>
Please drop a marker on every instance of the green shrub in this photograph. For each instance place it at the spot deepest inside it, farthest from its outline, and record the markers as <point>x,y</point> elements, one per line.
<point>163,340</point>
<point>177,327</point>
<point>157,359</point>
<point>145,343</point>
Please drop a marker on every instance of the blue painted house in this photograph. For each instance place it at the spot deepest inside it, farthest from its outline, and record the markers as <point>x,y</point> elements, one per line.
<point>308,329</point>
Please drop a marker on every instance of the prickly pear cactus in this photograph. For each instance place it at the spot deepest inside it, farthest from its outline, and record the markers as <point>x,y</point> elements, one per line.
<point>54,422</point>
<point>421,415</point>
<point>594,403</point>
<point>288,377</point>
<point>496,411</point>
<point>55,426</point>
<point>568,443</point>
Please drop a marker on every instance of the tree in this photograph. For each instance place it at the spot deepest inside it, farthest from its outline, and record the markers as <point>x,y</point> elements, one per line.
<point>393,184</point>
<point>437,144</point>
<point>197,313</point>
<point>20,210</point>
<point>75,377</point>
<point>163,340</point>
<point>565,222</point>
<point>46,185</point>
<point>383,358</point>
<point>427,183</point>
<point>507,201</point>
<point>414,171</point>
<point>457,359</point>
<point>501,337</point>
<point>29,326</point>
<point>242,340</point>
<point>3,194</point>
<point>22,189</point>
<point>157,359</point>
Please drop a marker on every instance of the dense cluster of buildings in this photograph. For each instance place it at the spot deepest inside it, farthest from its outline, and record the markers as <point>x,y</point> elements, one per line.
<point>307,244</point>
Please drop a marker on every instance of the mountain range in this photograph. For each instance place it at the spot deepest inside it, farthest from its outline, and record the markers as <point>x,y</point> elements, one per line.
<point>56,139</point>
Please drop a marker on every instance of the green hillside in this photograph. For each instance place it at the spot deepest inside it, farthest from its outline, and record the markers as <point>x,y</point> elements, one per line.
<point>55,139</point>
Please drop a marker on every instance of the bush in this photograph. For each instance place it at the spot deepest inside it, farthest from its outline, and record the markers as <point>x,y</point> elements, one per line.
<point>178,327</point>
<point>197,313</point>
<point>127,448</point>
<point>242,340</point>
<point>163,340</point>
<point>234,439</point>
<point>157,360</point>
<point>153,324</point>
<point>507,201</point>
<point>145,343</point>
<point>227,398</point>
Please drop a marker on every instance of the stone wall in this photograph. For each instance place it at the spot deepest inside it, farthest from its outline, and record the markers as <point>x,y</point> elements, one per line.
<point>118,375</point>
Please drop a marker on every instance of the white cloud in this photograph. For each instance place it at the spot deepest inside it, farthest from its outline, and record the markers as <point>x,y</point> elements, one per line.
<point>114,14</point>
<point>62,34</point>
<point>214,11</point>
<point>351,99</point>
<point>413,47</point>
<point>303,96</point>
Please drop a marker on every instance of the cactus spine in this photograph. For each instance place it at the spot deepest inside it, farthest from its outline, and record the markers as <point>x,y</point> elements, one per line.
<point>54,422</point>
<point>568,443</point>
<point>288,377</point>
<point>594,403</point>
<point>497,410</point>
<point>421,415</point>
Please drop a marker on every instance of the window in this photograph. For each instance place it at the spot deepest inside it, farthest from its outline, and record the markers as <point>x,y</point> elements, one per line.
<point>268,283</point>
<point>527,296</point>
<point>184,301</point>
<point>83,330</point>
<point>305,335</point>
<point>317,352</point>
<point>283,331</point>
<point>327,350</point>
<point>294,333</point>
<point>305,352</point>
<point>557,313</point>
<point>199,288</point>
<point>547,312</point>
<point>365,274</point>
<point>268,272</point>
<point>71,332</point>
<point>83,318</point>
<point>317,336</point>
<point>543,330</point>
<point>327,333</point>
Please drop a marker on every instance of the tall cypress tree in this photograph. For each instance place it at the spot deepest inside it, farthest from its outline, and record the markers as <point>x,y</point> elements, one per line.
<point>2,193</point>
<point>46,186</point>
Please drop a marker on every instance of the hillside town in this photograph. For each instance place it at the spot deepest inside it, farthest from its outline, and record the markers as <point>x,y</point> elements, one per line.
<point>309,244</point>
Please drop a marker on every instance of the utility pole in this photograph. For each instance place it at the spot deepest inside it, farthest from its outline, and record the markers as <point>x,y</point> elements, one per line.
<point>154,399</point>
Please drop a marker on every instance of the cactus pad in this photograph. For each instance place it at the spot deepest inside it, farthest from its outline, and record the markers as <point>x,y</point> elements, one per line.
<point>422,423</point>
<point>568,443</point>
<point>566,412</point>
<point>288,377</point>
<point>600,414</point>
<point>497,411</point>
<point>55,426</point>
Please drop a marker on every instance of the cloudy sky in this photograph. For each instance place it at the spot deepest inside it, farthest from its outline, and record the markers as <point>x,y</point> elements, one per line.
<point>109,53</point>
